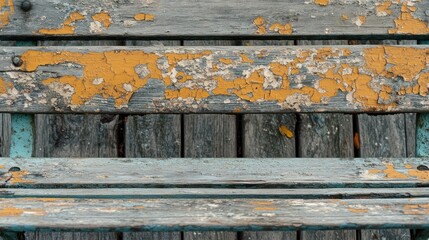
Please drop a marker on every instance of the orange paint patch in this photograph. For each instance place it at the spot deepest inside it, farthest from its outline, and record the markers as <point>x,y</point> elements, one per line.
<point>104,18</point>
<point>390,172</point>
<point>18,177</point>
<point>67,28</point>
<point>284,29</point>
<point>114,76</point>
<point>345,17</point>
<point>421,175</point>
<point>357,210</point>
<point>260,24</point>
<point>356,141</point>
<point>11,212</point>
<point>382,9</point>
<point>1,167</point>
<point>322,2</point>
<point>144,17</point>
<point>408,166</point>
<point>7,9</point>
<point>416,209</point>
<point>225,60</point>
<point>265,209</point>
<point>285,131</point>
<point>261,203</point>
<point>246,59</point>
<point>406,23</point>
<point>5,86</point>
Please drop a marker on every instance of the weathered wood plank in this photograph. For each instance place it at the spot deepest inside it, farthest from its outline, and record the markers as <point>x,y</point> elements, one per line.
<point>218,79</point>
<point>153,135</point>
<point>383,136</point>
<point>217,193</point>
<point>268,135</point>
<point>6,132</point>
<point>325,135</point>
<point>139,172</point>
<point>209,136</point>
<point>243,18</point>
<point>223,214</point>
<point>75,136</point>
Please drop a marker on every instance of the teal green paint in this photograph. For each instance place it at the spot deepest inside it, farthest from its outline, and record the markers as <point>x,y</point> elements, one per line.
<point>25,43</point>
<point>22,135</point>
<point>422,135</point>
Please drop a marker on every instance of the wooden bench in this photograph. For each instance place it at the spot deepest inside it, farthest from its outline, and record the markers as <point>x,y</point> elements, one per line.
<point>256,192</point>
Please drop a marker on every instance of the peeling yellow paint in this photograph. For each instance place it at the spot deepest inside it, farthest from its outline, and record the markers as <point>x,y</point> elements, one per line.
<point>11,212</point>
<point>261,203</point>
<point>383,9</point>
<point>104,18</point>
<point>421,175</point>
<point>265,209</point>
<point>5,86</point>
<point>6,14</point>
<point>285,29</point>
<point>408,166</point>
<point>357,210</point>
<point>225,60</point>
<point>390,172</point>
<point>18,177</point>
<point>260,24</point>
<point>406,23</point>
<point>416,209</point>
<point>1,167</point>
<point>285,131</point>
<point>322,2</point>
<point>116,69</point>
<point>246,59</point>
<point>144,17</point>
<point>67,28</point>
<point>345,17</point>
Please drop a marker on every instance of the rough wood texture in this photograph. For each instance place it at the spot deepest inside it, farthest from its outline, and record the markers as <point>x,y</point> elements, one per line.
<point>269,172</point>
<point>216,193</point>
<point>224,214</point>
<point>209,136</point>
<point>5,130</point>
<point>167,18</point>
<point>325,135</point>
<point>153,135</point>
<point>383,136</point>
<point>75,136</point>
<point>215,79</point>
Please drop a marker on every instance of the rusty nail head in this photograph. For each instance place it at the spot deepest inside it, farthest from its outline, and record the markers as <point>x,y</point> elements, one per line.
<point>26,5</point>
<point>422,168</point>
<point>14,169</point>
<point>17,61</point>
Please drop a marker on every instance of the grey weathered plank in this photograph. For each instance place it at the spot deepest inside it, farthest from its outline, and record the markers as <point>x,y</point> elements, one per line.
<point>383,136</point>
<point>75,136</point>
<point>153,135</point>
<point>166,18</point>
<point>269,172</point>
<point>209,136</point>
<point>219,79</point>
<point>217,193</point>
<point>5,131</point>
<point>210,214</point>
<point>325,135</point>
<point>268,135</point>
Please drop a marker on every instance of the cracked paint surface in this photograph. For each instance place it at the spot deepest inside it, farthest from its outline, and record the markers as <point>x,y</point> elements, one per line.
<point>375,78</point>
<point>7,9</point>
<point>66,28</point>
<point>390,172</point>
<point>262,25</point>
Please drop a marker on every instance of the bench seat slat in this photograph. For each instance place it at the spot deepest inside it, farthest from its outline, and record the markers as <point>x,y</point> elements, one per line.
<point>29,214</point>
<point>243,18</point>
<point>216,172</point>
<point>215,79</point>
<point>219,193</point>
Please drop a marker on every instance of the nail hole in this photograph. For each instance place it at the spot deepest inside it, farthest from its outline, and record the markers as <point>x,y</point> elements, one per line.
<point>423,168</point>
<point>14,169</point>
<point>26,6</point>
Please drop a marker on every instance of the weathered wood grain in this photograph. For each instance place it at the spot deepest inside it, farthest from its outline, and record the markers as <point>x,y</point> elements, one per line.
<point>75,136</point>
<point>268,135</point>
<point>5,131</point>
<point>218,79</point>
<point>330,135</point>
<point>212,172</point>
<point>242,18</point>
<point>383,136</point>
<point>153,135</point>
<point>210,214</point>
<point>217,193</point>
<point>209,136</point>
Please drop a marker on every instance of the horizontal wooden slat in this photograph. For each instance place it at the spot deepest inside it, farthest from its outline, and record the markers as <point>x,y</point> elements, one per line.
<point>216,193</point>
<point>29,214</point>
<point>221,172</point>
<point>215,79</point>
<point>166,18</point>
